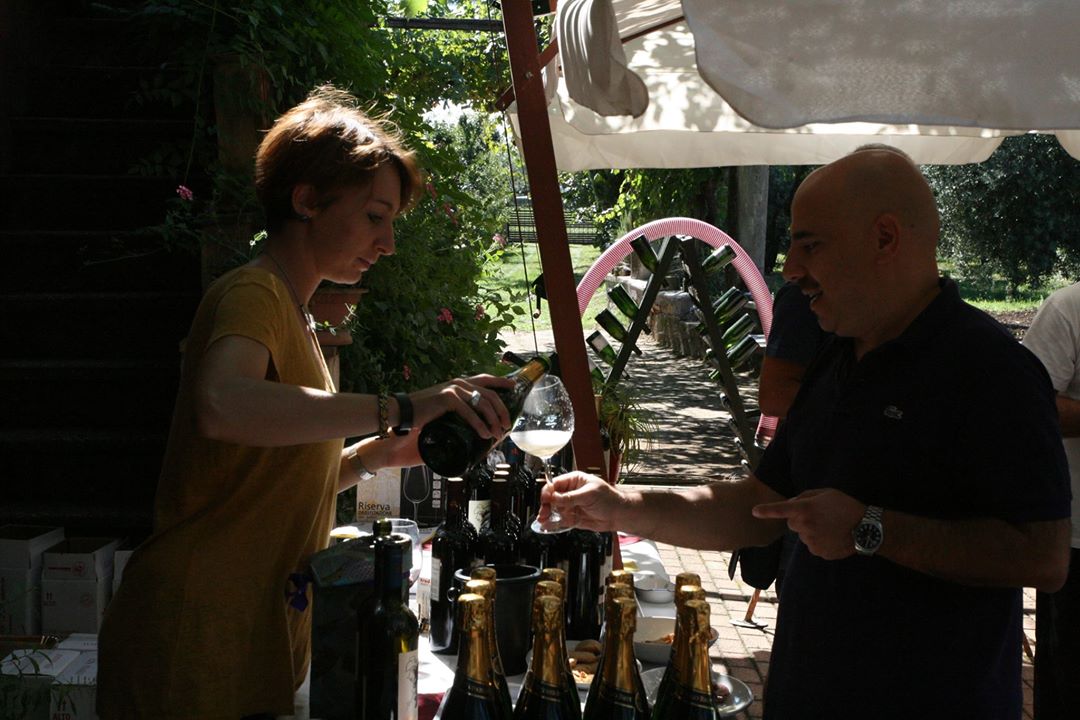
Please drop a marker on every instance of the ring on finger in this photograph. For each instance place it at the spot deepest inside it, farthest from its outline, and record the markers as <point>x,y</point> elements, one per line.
<point>474,398</point>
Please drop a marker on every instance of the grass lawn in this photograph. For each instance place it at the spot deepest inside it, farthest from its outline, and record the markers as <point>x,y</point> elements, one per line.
<point>509,281</point>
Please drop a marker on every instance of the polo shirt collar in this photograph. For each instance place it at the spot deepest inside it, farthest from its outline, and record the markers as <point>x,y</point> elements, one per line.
<point>926,325</point>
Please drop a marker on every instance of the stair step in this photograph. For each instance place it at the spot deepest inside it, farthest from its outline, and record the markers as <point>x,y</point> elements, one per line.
<point>83,202</point>
<point>97,326</point>
<point>94,261</point>
<point>99,146</point>
<point>101,394</point>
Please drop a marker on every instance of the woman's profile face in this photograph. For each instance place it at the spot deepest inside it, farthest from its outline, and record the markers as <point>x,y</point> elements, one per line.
<point>351,233</point>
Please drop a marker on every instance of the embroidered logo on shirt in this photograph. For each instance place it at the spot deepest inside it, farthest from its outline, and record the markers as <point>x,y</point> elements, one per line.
<point>894,413</point>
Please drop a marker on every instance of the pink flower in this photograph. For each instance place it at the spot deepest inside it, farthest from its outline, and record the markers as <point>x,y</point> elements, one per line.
<point>449,210</point>
<point>185,193</point>
<point>430,189</point>
<point>498,239</point>
<point>445,316</point>
<point>480,312</point>
<point>405,371</point>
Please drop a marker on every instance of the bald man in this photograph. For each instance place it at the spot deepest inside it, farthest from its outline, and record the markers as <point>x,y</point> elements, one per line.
<point>920,465</point>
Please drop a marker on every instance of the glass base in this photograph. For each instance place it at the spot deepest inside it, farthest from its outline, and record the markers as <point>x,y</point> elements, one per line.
<point>552,527</point>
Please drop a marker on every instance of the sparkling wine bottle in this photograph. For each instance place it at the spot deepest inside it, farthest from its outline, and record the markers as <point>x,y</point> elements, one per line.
<point>452,548</point>
<point>584,550</point>
<point>693,695</point>
<point>450,446</point>
<point>544,588</point>
<point>615,329</point>
<point>743,351</point>
<point>620,695</point>
<point>544,693</point>
<point>499,540</point>
<point>387,642</point>
<point>612,592</point>
<point>473,696</point>
<point>687,587</point>
<point>483,584</point>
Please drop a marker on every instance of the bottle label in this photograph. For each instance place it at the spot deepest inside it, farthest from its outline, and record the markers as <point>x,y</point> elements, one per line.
<point>436,578</point>
<point>484,691</point>
<point>408,672</point>
<point>616,696</point>
<point>479,513</point>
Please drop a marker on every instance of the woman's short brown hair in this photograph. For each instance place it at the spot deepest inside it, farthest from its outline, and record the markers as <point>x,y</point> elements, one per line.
<point>327,141</point>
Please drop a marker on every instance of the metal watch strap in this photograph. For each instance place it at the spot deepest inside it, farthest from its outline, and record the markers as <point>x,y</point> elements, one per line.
<point>358,466</point>
<point>872,518</point>
<point>405,414</point>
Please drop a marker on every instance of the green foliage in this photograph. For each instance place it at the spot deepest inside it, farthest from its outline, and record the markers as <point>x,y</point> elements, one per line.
<point>1017,214</point>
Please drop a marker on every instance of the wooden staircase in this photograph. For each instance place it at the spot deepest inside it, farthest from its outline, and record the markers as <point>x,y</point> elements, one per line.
<point>92,306</point>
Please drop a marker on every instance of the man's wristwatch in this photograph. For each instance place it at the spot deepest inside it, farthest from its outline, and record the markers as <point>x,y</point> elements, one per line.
<point>869,533</point>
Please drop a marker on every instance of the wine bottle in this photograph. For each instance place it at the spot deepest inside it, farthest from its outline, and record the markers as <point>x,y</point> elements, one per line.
<point>479,508</point>
<point>584,550</point>
<point>602,347</point>
<point>645,253</point>
<point>623,577</point>
<point>688,590</point>
<point>387,642</point>
<point>612,592</point>
<point>450,447</point>
<point>550,588</point>
<point>730,302</point>
<point>498,541</point>
<point>483,584</point>
<point>743,351</point>
<point>544,693</point>
<point>620,695</point>
<point>452,548</point>
<point>622,300</point>
<point>615,328</point>
<point>473,696</point>
<point>534,548</point>
<point>521,492</point>
<point>693,696</point>
<point>718,258</point>
<point>737,330</point>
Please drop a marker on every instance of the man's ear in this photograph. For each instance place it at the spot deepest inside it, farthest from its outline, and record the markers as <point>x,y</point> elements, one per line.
<point>305,200</point>
<point>887,235</point>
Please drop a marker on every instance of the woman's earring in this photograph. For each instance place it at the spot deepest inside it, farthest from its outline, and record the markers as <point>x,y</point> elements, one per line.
<point>303,218</point>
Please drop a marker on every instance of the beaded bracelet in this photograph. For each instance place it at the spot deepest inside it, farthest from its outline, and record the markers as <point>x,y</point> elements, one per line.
<point>384,416</point>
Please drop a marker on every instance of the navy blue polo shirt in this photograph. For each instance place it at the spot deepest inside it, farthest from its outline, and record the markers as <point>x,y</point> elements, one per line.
<point>953,419</point>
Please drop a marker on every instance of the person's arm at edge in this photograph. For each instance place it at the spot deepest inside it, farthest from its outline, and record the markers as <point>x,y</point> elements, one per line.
<point>714,516</point>
<point>1068,416</point>
<point>778,386</point>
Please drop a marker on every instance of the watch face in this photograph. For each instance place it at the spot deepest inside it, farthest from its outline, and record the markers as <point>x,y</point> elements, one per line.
<point>868,536</point>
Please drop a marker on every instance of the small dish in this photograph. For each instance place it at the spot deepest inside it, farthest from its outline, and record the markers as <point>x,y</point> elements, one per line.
<point>653,637</point>
<point>653,588</point>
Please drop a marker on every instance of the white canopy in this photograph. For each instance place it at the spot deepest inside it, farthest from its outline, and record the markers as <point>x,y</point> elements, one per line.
<point>812,79</point>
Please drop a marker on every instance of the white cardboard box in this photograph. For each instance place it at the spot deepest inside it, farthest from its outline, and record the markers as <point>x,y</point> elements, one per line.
<point>120,561</point>
<point>21,548</point>
<point>36,671</point>
<point>76,584</point>
<point>74,692</point>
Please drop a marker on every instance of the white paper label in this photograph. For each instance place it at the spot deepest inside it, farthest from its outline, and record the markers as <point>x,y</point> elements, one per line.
<point>479,513</point>
<point>436,577</point>
<point>408,671</point>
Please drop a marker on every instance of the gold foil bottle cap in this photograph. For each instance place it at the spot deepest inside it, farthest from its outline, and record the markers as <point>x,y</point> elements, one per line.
<point>620,577</point>
<point>483,573</point>
<point>687,578</point>
<point>472,612</point>
<point>547,613</point>
<point>546,588</point>
<point>688,592</point>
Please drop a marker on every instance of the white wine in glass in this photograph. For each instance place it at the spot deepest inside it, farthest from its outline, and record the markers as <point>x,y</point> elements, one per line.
<point>544,427</point>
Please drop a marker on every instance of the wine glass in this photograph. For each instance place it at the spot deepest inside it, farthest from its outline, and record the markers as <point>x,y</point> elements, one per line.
<point>416,488</point>
<point>544,427</point>
<point>404,526</point>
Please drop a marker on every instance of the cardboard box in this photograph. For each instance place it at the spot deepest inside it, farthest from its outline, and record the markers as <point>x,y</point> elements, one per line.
<point>76,584</point>
<point>414,493</point>
<point>21,548</point>
<point>74,692</point>
<point>28,677</point>
<point>120,561</point>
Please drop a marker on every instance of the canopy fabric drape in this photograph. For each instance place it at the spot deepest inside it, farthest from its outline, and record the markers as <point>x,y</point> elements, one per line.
<point>747,82</point>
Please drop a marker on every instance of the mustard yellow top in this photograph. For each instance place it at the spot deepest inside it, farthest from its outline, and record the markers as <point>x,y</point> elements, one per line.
<point>203,624</point>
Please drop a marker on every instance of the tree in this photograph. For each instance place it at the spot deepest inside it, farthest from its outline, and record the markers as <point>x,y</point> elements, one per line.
<point>1017,213</point>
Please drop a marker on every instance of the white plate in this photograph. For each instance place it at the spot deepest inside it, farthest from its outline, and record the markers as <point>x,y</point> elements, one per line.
<point>739,698</point>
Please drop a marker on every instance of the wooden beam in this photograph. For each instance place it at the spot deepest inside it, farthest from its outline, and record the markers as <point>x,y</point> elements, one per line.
<point>550,228</point>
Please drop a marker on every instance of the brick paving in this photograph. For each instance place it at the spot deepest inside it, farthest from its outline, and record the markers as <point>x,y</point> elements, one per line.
<point>693,445</point>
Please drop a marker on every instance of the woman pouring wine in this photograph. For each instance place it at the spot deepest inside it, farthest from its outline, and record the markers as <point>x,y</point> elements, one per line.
<point>212,619</point>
